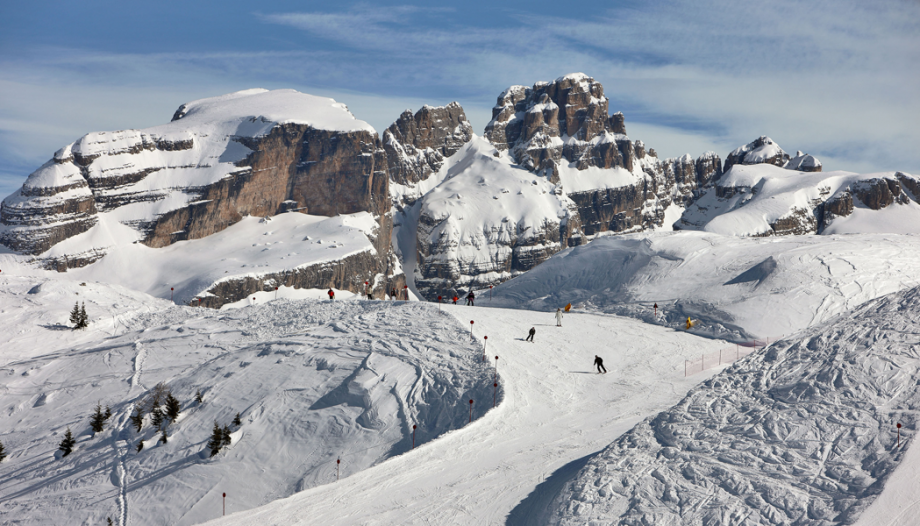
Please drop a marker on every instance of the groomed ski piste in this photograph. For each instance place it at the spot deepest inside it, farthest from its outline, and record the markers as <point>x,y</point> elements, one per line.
<point>319,381</point>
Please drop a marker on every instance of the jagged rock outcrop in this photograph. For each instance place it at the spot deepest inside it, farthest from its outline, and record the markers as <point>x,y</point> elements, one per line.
<point>761,150</point>
<point>573,154</point>
<point>803,162</point>
<point>416,145</point>
<point>874,194</point>
<point>254,152</point>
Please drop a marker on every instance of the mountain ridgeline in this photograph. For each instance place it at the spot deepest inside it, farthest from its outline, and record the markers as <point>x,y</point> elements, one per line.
<point>553,169</point>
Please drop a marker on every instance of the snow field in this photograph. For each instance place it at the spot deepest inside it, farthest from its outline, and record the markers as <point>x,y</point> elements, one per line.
<point>800,433</point>
<point>313,380</point>
<point>556,411</point>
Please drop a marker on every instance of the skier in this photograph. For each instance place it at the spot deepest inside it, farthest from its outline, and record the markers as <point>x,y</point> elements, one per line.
<point>331,294</point>
<point>689,323</point>
<point>393,294</point>
<point>558,317</point>
<point>469,299</point>
<point>370,295</point>
<point>599,362</point>
<point>530,335</point>
<point>455,299</point>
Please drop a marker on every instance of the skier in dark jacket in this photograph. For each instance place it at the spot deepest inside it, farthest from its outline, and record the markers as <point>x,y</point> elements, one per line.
<point>599,362</point>
<point>393,294</point>
<point>469,298</point>
<point>530,335</point>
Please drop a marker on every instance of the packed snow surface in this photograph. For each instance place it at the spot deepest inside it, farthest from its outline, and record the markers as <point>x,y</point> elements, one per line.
<point>313,381</point>
<point>556,412</point>
<point>802,432</point>
<point>709,278</point>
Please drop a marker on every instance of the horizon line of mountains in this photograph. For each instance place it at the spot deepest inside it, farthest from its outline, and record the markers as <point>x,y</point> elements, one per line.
<point>553,169</point>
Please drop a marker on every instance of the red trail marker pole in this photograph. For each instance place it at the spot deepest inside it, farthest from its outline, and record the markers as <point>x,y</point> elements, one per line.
<point>494,392</point>
<point>471,329</point>
<point>490,292</point>
<point>495,377</point>
<point>406,292</point>
<point>413,436</point>
<point>337,462</point>
<point>439,304</point>
<point>276,292</point>
<point>486,338</point>
<point>225,504</point>
<point>171,289</point>
<point>471,410</point>
<point>899,434</point>
<point>365,288</point>
<point>656,310</point>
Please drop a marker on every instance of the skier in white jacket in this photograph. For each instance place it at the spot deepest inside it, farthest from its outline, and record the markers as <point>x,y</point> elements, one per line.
<point>558,317</point>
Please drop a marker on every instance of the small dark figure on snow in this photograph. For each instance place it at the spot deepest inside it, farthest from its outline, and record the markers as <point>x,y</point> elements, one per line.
<point>455,300</point>
<point>599,362</point>
<point>530,335</point>
<point>469,298</point>
<point>331,294</point>
<point>370,296</point>
<point>393,294</point>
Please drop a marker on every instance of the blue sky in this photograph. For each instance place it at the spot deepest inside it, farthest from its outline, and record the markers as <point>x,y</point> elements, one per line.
<point>838,79</point>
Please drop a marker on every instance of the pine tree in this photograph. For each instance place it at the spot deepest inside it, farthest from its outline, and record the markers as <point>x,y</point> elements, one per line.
<point>2,452</point>
<point>97,423</point>
<point>225,436</point>
<point>237,421</point>
<point>158,416</point>
<point>67,444</point>
<point>164,438</point>
<point>217,439</point>
<point>173,408</point>
<point>84,319</point>
<point>75,316</point>
<point>198,397</point>
<point>109,521</point>
<point>140,446</point>
<point>108,412</point>
<point>138,418</point>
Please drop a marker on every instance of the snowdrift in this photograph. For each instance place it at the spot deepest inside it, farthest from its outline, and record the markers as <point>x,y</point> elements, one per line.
<point>800,433</point>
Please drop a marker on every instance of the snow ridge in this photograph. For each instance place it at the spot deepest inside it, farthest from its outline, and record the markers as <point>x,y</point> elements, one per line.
<point>802,432</point>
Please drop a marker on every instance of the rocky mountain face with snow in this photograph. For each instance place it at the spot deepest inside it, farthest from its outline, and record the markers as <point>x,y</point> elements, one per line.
<point>765,192</point>
<point>554,139</point>
<point>416,146</point>
<point>252,153</point>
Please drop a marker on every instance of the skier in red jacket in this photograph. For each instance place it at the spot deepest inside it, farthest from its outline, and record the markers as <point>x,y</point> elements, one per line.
<point>331,294</point>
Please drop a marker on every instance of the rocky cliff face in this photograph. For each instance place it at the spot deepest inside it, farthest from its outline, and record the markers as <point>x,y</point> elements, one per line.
<point>555,145</point>
<point>416,146</point>
<point>253,153</point>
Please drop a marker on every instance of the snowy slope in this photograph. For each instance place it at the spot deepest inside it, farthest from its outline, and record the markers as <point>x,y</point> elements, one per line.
<point>313,381</point>
<point>763,199</point>
<point>252,247</point>
<point>800,433</point>
<point>555,413</point>
<point>735,287</point>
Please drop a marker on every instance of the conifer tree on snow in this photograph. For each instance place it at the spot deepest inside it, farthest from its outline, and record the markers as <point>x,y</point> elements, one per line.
<point>158,416</point>
<point>84,319</point>
<point>97,423</point>
<point>173,408</point>
<point>140,446</point>
<point>137,419</point>
<point>198,397</point>
<point>217,439</point>
<point>237,421</point>
<point>67,443</point>
<point>75,316</point>
<point>109,523</point>
<point>164,438</point>
<point>2,452</point>
<point>225,436</point>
